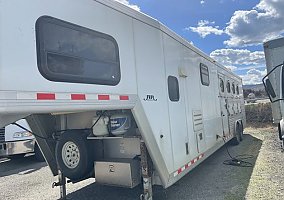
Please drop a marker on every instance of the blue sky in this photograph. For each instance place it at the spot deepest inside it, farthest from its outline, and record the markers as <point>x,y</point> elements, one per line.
<point>230,31</point>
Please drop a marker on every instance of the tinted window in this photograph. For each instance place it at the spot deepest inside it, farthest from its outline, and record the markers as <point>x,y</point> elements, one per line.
<point>228,87</point>
<point>71,53</point>
<point>173,88</point>
<point>204,74</point>
<point>222,87</point>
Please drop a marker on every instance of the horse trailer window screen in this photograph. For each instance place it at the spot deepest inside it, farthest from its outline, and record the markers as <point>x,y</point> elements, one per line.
<point>71,53</point>
<point>222,87</point>
<point>238,90</point>
<point>228,87</point>
<point>173,88</point>
<point>204,74</point>
<point>233,88</point>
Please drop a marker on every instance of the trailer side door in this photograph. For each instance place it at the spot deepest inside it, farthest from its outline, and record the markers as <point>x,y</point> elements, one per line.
<point>223,105</point>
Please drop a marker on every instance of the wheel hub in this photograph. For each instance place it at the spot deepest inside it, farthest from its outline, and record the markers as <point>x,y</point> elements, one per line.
<point>70,155</point>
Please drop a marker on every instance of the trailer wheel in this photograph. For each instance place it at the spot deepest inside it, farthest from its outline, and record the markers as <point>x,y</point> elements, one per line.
<point>38,155</point>
<point>72,155</point>
<point>238,137</point>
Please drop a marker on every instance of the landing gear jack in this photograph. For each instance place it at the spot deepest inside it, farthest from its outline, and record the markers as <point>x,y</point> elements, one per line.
<point>62,184</point>
<point>147,172</point>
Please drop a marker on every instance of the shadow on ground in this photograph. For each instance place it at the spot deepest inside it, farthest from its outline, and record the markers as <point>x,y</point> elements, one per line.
<point>19,165</point>
<point>210,180</point>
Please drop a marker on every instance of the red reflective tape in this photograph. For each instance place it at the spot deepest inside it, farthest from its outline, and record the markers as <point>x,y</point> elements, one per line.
<point>45,96</point>
<point>186,166</point>
<point>78,97</point>
<point>179,171</point>
<point>103,97</point>
<point>192,162</point>
<point>124,98</point>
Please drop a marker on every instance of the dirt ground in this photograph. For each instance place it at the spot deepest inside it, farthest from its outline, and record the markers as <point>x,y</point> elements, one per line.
<point>267,179</point>
<point>26,179</point>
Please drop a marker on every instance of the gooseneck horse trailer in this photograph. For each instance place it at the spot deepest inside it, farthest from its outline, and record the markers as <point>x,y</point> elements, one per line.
<point>113,94</point>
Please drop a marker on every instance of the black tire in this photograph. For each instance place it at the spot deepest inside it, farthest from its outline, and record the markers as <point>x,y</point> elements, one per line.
<point>238,136</point>
<point>73,155</point>
<point>38,155</point>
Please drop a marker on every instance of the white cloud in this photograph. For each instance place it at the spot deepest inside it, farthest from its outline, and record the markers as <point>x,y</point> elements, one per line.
<point>202,2</point>
<point>237,57</point>
<point>126,2</point>
<point>205,28</point>
<point>252,27</point>
<point>232,68</point>
<point>253,76</point>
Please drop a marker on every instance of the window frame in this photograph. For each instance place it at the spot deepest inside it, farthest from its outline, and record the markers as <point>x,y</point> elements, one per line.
<point>170,80</point>
<point>43,53</point>
<point>203,66</point>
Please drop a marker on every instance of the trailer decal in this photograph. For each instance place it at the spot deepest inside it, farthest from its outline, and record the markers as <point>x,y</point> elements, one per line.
<point>186,166</point>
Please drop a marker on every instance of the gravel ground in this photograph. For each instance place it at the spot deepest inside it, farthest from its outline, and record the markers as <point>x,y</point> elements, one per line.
<point>25,179</point>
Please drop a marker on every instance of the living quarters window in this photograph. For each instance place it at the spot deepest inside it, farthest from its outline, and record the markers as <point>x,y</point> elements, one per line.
<point>228,87</point>
<point>222,87</point>
<point>71,53</point>
<point>173,88</point>
<point>204,74</point>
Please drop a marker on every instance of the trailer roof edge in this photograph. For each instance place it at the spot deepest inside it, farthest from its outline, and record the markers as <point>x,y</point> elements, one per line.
<point>140,16</point>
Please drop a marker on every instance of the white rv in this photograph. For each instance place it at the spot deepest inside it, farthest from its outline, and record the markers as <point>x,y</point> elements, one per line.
<point>273,81</point>
<point>112,93</point>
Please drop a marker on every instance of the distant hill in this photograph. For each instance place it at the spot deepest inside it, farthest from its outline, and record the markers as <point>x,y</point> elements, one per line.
<point>257,87</point>
<point>258,90</point>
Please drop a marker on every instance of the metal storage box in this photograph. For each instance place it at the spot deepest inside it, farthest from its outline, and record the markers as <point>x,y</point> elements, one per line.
<point>119,172</point>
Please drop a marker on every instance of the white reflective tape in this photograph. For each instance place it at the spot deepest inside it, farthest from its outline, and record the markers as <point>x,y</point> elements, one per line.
<point>92,97</point>
<point>114,97</point>
<point>27,95</point>
<point>63,96</point>
<point>176,173</point>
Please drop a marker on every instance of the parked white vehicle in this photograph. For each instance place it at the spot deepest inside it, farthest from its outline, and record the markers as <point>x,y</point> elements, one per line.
<point>15,141</point>
<point>112,93</point>
<point>274,80</point>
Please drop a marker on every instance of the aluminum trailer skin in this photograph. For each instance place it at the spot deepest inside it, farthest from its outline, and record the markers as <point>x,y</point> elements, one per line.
<point>273,81</point>
<point>112,93</point>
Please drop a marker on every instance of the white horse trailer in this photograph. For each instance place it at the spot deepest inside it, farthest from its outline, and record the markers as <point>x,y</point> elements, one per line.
<point>112,93</point>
